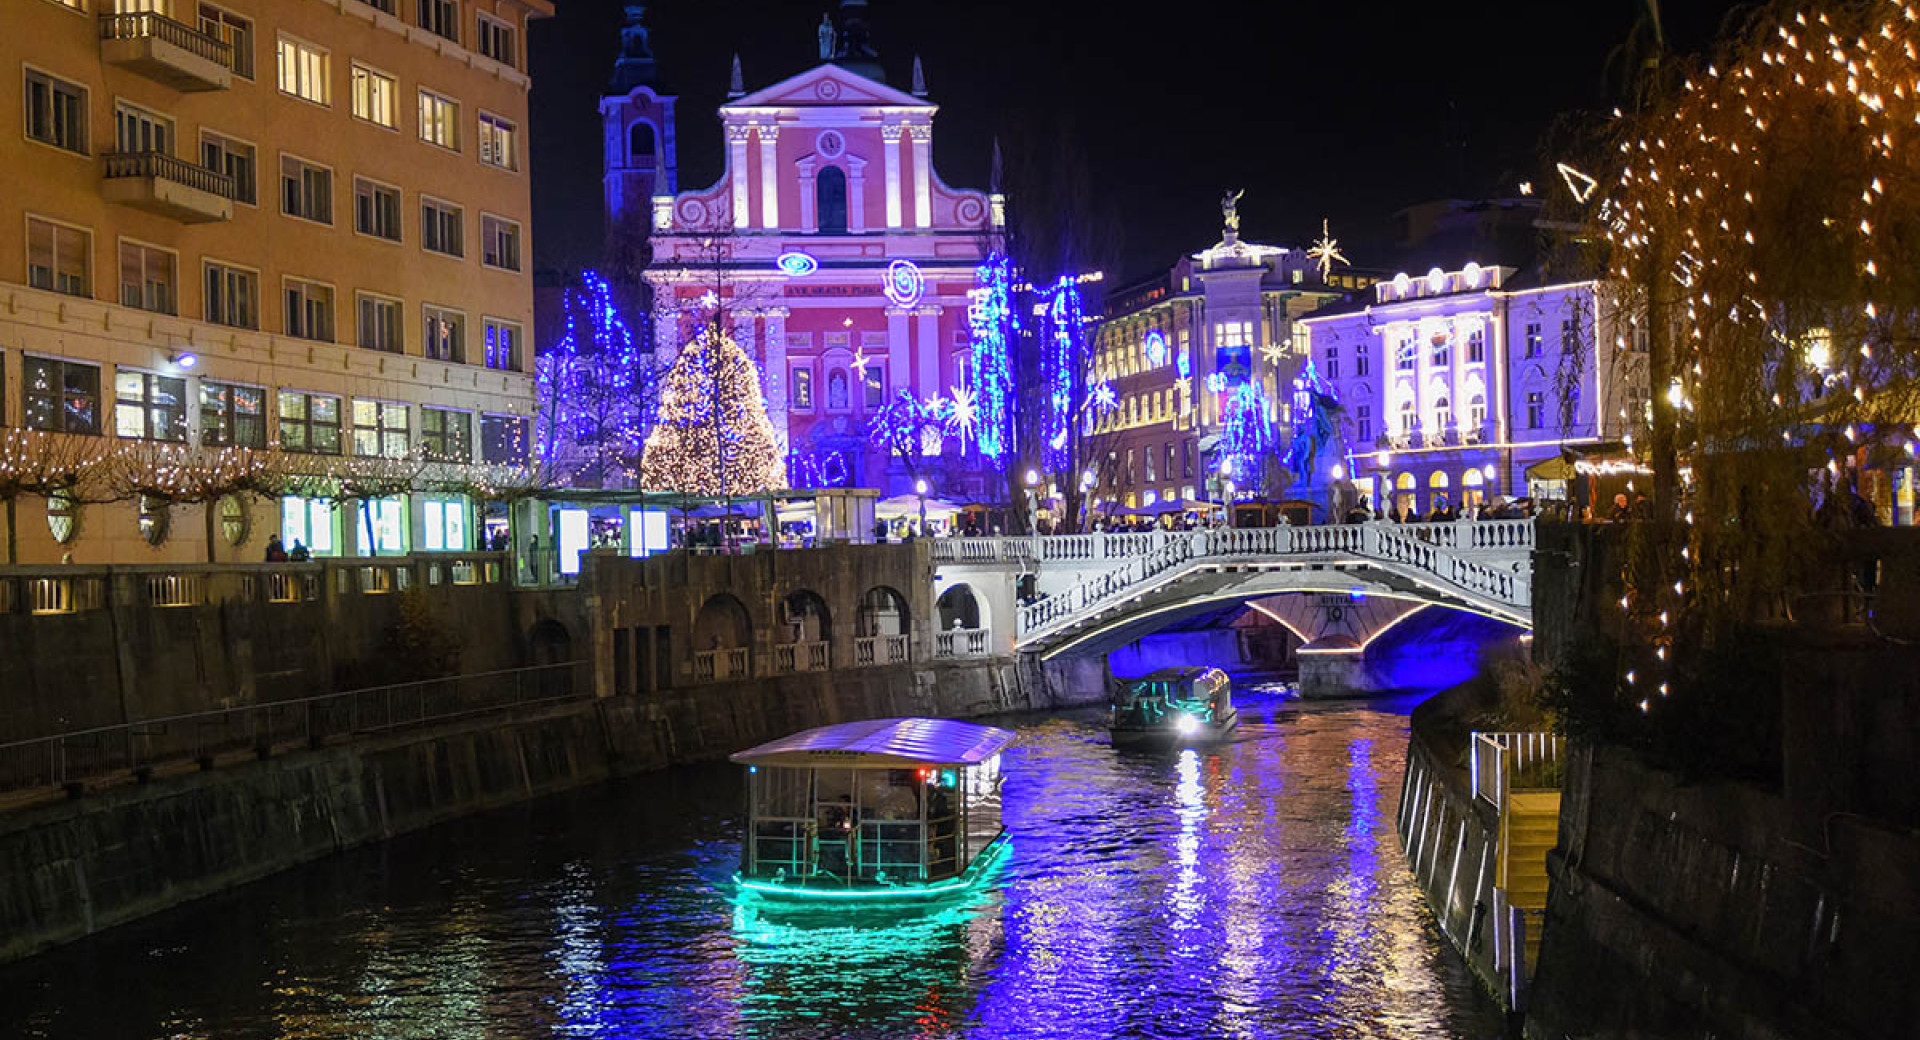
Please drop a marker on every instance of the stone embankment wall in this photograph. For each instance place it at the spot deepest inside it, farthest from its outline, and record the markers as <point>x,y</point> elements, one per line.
<point>1718,909</point>
<point>1450,844</point>
<point>71,869</point>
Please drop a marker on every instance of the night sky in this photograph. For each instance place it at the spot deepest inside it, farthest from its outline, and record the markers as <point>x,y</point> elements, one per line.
<point>1345,110</point>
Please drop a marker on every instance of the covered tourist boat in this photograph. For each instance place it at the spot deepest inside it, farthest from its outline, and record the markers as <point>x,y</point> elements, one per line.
<point>1173,706</point>
<point>885,810</point>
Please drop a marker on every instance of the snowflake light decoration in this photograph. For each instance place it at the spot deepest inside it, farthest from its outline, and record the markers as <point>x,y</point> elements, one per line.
<point>963,414</point>
<point>1325,251</point>
<point>1104,399</point>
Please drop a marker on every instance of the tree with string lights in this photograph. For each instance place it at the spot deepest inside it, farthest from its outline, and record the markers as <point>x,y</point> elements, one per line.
<point>1758,214</point>
<point>713,437</point>
<point>595,393</point>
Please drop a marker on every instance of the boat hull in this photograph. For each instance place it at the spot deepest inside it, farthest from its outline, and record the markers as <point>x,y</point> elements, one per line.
<point>1168,735</point>
<point>802,895</point>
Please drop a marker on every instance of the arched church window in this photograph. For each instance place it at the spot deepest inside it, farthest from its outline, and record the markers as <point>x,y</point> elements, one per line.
<point>830,189</point>
<point>640,144</point>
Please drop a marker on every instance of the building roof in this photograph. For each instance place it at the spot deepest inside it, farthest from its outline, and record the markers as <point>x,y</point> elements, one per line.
<point>883,744</point>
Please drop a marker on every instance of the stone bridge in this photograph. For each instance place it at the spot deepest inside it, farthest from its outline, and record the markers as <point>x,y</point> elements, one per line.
<point>1088,594</point>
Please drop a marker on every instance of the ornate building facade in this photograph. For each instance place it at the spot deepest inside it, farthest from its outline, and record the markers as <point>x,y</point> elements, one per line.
<point>1455,384</point>
<point>829,246</point>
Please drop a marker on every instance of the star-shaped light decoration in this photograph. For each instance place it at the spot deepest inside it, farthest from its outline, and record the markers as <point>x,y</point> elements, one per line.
<point>1273,352</point>
<point>710,299</point>
<point>1104,398</point>
<point>962,415</point>
<point>1326,251</point>
<point>860,359</point>
<point>1578,183</point>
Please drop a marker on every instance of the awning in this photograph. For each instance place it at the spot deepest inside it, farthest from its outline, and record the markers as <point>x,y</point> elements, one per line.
<point>883,744</point>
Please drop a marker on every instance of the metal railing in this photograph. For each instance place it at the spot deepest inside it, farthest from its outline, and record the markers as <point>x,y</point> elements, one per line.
<point>962,642</point>
<point>176,590</point>
<point>140,25</point>
<point>166,167</point>
<point>1506,762</point>
<point>263,729</point>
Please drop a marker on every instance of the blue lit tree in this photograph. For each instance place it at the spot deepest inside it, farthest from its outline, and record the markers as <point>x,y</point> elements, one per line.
<point>1246,437</point>
<point>597,390</point>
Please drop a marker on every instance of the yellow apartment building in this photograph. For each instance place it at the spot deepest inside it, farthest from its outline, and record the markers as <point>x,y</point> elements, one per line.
<point>292,224</point>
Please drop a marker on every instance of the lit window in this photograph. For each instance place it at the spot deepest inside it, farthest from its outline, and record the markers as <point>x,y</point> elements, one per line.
<point>309,423</point>
<point>373,97</point>
<point>445,526</point>
<point>149,407</point>
<point>499,142</point>
<point>303,71</point>
<point>439,120</point>
<point>386,519</point>
<point>308,521</point>
<point>380,428</point>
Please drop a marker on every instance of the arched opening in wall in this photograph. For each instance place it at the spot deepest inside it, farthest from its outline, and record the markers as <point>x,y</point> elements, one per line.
<point>959,608</point>
<point>830,200</point>
<point>722,624</point>
<point>640,141</point>
<point>1473,491</point>
<point>550,649</point>
<point>806,638</point>
<point>155,519</point>
<point>883,612</point>
<point>1404,497</point>
<point>1437,485</point>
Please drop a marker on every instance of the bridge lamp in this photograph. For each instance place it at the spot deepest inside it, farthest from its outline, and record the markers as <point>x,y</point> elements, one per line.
<point>1487,471</point>
<point>1338,472</point>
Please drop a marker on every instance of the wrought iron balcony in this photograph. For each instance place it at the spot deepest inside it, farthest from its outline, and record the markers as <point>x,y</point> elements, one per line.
<point>169,52</point>
<point>167,185</point>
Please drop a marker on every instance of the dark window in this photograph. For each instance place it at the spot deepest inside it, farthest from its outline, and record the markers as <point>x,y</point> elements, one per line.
<point>309,423</point>
<point>640,141</point>
<point>830,189</point>
<point>503,439</point>
<point>1333,362</point>
<point>446,436</point>
<point>440,17</point>
<point>1360,361</point>
<point>56,112</point>
<point>61,396</point>
<point>1536,409</point>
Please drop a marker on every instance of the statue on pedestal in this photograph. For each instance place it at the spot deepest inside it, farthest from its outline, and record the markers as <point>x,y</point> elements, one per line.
<point>1230,208</point>
<point>826,37</point>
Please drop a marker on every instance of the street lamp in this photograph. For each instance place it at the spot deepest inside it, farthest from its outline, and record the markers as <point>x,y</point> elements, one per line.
<point>920,488</point>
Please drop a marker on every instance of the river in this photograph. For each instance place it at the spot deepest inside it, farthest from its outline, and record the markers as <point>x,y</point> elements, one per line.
<point>1249,890</point>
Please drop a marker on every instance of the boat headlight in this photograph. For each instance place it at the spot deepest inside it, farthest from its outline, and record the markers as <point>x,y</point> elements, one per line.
<point>1187,725</point>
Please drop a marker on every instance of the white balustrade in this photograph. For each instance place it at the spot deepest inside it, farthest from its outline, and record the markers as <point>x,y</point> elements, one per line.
<point>959,642</point>
<point>1480,558</point>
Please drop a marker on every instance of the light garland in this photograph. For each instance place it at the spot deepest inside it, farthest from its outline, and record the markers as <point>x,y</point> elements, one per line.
<point>990,317</point>
<point>713,436</point>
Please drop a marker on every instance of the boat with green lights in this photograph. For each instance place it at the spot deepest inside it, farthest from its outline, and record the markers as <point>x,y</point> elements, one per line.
<point>1173,706</point>
<point>878,811</point>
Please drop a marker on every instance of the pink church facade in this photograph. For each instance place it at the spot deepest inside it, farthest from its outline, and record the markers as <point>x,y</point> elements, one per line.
<point>841,262</point>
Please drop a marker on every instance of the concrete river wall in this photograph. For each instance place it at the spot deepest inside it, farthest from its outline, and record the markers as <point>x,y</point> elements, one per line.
<point>73,868</point>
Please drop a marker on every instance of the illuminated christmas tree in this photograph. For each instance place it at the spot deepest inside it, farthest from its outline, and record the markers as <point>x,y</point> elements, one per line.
<point>594,393</point>
<point>712,436</point>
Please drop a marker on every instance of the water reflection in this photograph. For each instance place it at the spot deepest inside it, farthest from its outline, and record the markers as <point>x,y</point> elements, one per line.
<point>1250,889</point>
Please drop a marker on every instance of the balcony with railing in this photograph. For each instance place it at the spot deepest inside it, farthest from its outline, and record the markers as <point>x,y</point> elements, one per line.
<point>876,650</point>
<point>166,51</point>
<point>962,642</point>
<point>167,185</point>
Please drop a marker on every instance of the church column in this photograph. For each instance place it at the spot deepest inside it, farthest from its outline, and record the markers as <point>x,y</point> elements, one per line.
<point>928,373</point>
<point>809,221</point>
<point>777,375</point>
<point>890,146</point>
<point>769,182</point>
<point>737,171</point>
<point>899,349</point>
<point>856,194</point>
<point>922,175</point>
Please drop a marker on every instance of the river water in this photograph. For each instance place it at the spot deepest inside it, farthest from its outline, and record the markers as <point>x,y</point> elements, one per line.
<point>1250,890</point>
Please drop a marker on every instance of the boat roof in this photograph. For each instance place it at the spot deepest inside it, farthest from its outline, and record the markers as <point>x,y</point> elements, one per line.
<point>882,744</point>
<point>1168,674</point>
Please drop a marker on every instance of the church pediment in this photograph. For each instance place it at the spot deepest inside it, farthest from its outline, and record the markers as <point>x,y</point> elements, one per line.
<point>827,85</point>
